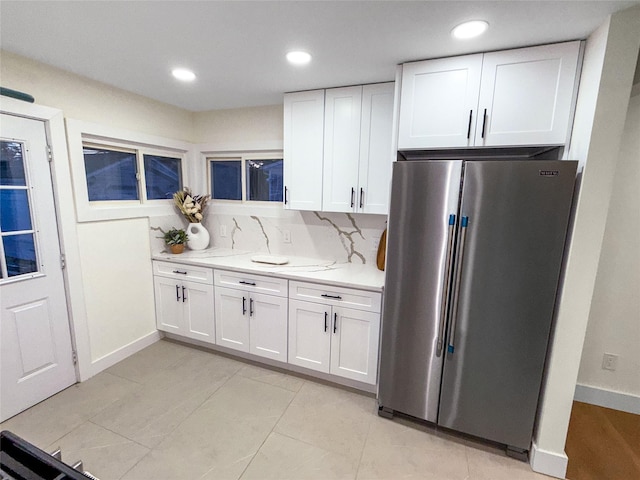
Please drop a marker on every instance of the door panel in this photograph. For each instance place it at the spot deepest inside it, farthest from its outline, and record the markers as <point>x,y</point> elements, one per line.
<point>354,344</point>
<point>232,318</point>
<point>199,312</point>
<point>169,309</point>
<point>268,326</point>
<point>342,112</point>
<point>309,340</point>
<point>423,197</point>
<point>510,266</point>
<point>528,94</point>
<point>439,102</point>
<point>35,338</point>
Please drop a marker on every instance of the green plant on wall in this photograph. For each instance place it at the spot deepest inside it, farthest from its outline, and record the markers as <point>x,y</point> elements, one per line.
<point>175,236</point>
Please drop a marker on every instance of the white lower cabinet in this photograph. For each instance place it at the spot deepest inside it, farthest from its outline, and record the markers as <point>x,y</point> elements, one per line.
<point>248,321</point>
<point>333,339</point>
<point>185,308</point>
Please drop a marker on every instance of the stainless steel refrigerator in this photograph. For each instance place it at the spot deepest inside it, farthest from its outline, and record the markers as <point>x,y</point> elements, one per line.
<point>474,253</point>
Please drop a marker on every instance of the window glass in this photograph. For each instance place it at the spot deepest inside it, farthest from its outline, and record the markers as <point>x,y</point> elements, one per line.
<point>11,164</point>
<point>15,213</point>
<point>163,176</point>
<point>264,180</point>
<point>226,179</point>
<point>111,174</point>
<point>20,254</point>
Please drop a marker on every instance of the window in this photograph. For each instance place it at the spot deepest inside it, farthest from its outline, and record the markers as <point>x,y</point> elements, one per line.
<point>16,227</point>
<point>246,178</point>
<point>112,174</point>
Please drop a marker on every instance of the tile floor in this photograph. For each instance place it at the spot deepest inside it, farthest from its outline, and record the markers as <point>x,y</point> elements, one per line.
<point>176,412</point>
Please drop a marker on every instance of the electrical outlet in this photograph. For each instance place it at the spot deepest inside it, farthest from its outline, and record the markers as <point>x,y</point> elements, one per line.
<point>609,361</point>
<point>223,230</point>
<point>286,236</point>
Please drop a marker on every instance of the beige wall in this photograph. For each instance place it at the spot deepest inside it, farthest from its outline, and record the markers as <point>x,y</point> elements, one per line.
<point>614,320</point>
<point>84,99</point>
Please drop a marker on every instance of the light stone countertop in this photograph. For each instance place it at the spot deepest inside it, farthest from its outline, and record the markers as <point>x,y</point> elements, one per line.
<point>364,277</point>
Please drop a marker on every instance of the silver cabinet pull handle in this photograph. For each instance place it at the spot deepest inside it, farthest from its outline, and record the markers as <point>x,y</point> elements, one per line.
<point>464,222</point>
<point>445,287</point>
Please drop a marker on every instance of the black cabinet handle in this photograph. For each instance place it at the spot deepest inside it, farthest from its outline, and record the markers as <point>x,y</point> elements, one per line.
<point>177,293</point>
<point>251,307</point>
<point>335,322</point>
<point>484,122</point>
<point>353,196</point>
<point>180,272</point>
<point>285,195</point>
<point>244,305</point>
<point>335,297</point>
<point>361,197</point>
<point>326,315</point>
<point>247,283</point>
<point>469,127</point>
<point>184,297</point>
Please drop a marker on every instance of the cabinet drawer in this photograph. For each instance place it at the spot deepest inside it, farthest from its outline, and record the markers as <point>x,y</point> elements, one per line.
<point>183,272</point>
<point>251,283</point>
<point>330,295</point>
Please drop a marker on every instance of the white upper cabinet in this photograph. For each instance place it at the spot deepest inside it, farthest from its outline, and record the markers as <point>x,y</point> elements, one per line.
<point>354,162</point>
<point>376,151</point>
<point>342,112</point>
<point>510,98</point>
<point>439,102</point>
<point>527,95</point>
<point>303,150</point>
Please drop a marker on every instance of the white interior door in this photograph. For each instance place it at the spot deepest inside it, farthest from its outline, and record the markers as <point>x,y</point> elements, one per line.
<point>35,338</point>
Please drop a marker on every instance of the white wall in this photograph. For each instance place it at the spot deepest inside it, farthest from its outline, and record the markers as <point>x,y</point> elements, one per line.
<point>614,319</point>
<point>609,66</point>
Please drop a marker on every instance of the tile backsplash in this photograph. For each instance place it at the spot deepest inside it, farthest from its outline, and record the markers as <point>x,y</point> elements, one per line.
<point>342,237</point>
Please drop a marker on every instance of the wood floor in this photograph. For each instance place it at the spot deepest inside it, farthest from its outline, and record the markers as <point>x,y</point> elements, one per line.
<point>603,444</point>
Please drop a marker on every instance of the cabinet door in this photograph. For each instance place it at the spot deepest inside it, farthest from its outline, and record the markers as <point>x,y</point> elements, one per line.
<point>376,155</point>
<point>354,344</point>
<point>342,113</point>
<point>303,143</point>
<point>169,308</point>
<point>439,101</point>
<point>528,95</point>
<point>268,326</point>
<point>198,311</point>
<point>309,335</point>
<point>232,318</point>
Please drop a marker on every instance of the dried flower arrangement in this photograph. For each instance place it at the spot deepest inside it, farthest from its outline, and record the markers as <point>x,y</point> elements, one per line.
<point>191,206</point>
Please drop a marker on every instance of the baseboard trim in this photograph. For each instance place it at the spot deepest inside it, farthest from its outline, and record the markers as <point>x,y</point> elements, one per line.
<point>120,354</point>
<point>624,402</point>
<point>548,463</point>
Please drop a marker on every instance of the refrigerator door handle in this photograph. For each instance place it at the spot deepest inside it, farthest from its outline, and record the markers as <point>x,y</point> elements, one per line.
<point>446,283</point>
<point>464,222</point>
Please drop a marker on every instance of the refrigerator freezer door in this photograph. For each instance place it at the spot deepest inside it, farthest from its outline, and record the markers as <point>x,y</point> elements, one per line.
<point>510,266</point>
<point>423,198</point>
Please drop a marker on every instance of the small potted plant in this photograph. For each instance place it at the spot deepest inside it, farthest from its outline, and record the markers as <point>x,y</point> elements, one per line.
<point>176,238</point>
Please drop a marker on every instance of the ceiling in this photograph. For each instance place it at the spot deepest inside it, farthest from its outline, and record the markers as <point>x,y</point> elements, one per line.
<point>237,48</point>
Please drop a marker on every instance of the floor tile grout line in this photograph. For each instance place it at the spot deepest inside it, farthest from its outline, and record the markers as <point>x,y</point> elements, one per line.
<point>176,427</point>
<point>270,432</point>
<point>364,446</point>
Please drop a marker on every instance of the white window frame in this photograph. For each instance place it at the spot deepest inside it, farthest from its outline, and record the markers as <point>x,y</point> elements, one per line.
<point>81,133</point>
<point>242,158</point>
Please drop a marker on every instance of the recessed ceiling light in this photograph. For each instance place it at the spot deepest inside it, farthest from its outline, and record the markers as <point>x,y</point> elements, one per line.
<point>298,57</point>
<point>183,74</point>
<point>470,29</point>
